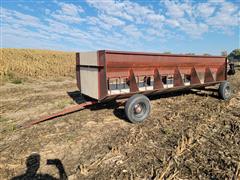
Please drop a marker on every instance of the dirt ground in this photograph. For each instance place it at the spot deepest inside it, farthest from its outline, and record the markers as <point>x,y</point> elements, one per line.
<point>191,135</point>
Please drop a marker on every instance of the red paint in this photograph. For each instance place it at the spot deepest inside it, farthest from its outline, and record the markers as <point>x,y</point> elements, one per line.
<point>118,64</point>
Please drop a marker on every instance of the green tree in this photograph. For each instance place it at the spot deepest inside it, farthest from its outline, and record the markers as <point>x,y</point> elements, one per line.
<point>234,56</point>
<point>190,53</point>
<point>224,53</point>
<point>167,52</point>
<point>206,54</point>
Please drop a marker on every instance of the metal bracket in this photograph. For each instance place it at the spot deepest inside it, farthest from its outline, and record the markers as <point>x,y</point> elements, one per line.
<point>194,77</point>
<point>220,76</point>
<point>157,80</point>
<point>177,78</point>
<point>208,76</point>
<point>132,82</point>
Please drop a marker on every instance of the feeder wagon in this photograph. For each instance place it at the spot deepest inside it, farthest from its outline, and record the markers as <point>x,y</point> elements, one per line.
<point>131,77</point>
<point>110,75</point>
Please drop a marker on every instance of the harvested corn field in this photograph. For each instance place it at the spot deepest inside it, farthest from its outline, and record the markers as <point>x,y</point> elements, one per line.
<point>189,135</point>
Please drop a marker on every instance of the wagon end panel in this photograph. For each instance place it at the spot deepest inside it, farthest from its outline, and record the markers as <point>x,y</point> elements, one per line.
<point>87,72</point>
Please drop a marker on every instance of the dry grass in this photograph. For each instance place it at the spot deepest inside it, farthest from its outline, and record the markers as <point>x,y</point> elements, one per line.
<point>186,142</point>
<point>30,63</point>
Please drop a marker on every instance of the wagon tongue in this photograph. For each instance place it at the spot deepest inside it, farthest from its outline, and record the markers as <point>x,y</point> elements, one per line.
<point>58,114</point>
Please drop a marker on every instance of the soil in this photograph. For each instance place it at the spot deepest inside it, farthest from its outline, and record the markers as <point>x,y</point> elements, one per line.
<point>189,135</point>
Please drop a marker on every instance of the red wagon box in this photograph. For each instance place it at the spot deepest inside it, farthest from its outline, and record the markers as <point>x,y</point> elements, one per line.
<point>107,75</point>
<point>115,74</point>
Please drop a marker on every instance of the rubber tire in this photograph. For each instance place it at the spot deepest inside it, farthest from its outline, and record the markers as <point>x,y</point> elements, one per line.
<point>129,108</point>
<point>222,90</point>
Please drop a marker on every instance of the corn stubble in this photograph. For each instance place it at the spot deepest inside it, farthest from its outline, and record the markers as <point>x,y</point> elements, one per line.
<point>192,135</point>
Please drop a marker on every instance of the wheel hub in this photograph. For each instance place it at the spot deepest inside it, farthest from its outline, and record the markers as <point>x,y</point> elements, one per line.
<point>138,108</point>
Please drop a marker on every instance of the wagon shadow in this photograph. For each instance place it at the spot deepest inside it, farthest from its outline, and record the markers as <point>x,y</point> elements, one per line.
<point>76,96</point>
<point>119,111</point>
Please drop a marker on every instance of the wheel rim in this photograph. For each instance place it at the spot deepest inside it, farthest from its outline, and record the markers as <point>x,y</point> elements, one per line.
<point>227,91</point>
<point>139,109</point>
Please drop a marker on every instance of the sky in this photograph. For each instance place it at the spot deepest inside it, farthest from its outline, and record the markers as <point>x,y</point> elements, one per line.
<point>179,26</point>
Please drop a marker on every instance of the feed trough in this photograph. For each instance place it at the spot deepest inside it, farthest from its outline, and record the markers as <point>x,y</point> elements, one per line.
<point>111,75</point>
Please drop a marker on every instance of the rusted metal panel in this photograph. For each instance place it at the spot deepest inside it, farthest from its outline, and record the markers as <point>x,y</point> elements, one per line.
<point>132,82</point>
<point>208,76</point>
<point>177,78</point>
<point>118,64</point>
<point>102,75</point>
<point>158,54</point>
<point>158,84</point>
<point>220,73</point>
<point>154,72</point>
<point>147,60</point>
<point>194,77</point>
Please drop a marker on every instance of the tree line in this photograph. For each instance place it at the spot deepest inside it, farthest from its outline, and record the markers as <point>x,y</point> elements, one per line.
<point>234,56</point>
